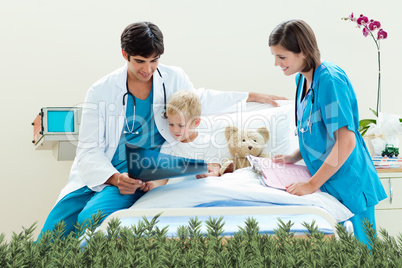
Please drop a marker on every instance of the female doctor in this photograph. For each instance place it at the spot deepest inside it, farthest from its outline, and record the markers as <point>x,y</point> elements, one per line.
<point>327,121</point>
<point>127,106</point>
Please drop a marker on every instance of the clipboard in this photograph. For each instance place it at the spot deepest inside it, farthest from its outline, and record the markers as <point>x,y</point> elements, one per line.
<point>148,165</point>
<point>278,175</point>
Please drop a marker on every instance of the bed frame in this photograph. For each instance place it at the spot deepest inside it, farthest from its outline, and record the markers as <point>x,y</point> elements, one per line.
<point>249,211</point>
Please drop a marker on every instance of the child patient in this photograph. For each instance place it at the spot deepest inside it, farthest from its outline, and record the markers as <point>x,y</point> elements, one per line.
<point>184,111</point>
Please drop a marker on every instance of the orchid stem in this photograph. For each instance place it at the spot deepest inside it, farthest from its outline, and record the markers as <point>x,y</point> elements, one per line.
<point>377,43</point>
<point>379,84</point>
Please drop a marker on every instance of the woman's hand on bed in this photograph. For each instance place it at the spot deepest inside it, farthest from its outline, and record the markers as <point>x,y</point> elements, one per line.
<point>149,185</point>
<point>288,158</point>
<point>264,98</point>
<point>213,169</point>
<point>301,188</point>
<point>282,158</point>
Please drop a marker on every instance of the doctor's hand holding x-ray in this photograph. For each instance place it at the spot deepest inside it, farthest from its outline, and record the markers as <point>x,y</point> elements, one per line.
<point>128,185</point>
<point>125,184</point>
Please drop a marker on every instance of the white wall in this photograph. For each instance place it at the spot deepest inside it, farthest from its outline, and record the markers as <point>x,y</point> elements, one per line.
<point>52,51</point>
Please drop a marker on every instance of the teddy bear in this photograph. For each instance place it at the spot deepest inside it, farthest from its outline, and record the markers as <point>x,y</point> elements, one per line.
<point>242,143</point>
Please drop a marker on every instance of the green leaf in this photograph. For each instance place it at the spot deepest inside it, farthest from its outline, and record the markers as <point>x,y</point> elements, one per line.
<point>374,112</point>
<point>365,122</point>
<point>364,125</point>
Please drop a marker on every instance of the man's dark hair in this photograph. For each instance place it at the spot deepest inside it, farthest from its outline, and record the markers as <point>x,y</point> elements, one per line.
<point>143,39</point>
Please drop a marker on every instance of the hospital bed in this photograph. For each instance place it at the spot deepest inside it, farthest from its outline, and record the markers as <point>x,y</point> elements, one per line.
<point>236,197</point>
<point>239,195</point>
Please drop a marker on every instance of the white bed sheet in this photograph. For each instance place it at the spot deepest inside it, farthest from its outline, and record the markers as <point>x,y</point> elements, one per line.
<point>242,185</point>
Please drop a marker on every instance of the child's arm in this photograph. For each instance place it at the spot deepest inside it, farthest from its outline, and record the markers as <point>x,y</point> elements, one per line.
<point>213,169</point>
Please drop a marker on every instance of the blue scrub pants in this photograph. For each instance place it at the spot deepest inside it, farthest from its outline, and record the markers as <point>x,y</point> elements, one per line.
<point>357,221</point>
<point>82,203</point>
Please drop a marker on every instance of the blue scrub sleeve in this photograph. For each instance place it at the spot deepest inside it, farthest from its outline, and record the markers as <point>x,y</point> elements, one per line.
<point>335,97</point>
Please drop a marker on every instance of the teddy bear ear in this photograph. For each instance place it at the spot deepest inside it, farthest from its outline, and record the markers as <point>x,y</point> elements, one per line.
<point>264,133</point>
<point>229,131</point>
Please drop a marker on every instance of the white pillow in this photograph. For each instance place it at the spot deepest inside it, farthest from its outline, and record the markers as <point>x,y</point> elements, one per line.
<point>278,120</point>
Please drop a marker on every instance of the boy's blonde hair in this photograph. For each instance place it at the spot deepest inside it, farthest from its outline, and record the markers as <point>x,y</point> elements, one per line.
<point>184,103</point>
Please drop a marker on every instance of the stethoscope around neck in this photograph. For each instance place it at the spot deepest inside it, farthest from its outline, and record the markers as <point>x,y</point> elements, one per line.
<point>309,122</point>
<point>163,114</point>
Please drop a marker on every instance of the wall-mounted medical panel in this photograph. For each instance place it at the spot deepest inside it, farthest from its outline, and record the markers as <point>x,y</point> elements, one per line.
<point>56,128</point>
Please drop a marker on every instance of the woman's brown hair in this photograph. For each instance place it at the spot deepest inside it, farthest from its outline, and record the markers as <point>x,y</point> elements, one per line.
<point>297,36</point>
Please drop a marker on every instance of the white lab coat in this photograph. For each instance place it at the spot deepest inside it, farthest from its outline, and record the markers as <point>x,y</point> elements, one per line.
<point>103,120</point>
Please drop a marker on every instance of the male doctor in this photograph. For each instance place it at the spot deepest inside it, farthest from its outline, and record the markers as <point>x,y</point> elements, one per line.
<point>127,106</point>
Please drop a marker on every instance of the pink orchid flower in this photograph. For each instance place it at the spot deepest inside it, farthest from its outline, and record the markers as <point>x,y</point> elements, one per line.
<point>382,34</point>
<point>374,24</point>
<point>369,28</point>
<point>362,20</point>
<point>365,32</point>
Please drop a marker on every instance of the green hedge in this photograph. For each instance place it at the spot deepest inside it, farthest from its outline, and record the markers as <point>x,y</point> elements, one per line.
<point>145,245</point>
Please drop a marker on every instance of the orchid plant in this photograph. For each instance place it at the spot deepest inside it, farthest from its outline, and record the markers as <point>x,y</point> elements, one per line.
<point>373,28</point>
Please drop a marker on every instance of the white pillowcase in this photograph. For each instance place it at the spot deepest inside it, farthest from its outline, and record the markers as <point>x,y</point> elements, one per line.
<point>278,120</point>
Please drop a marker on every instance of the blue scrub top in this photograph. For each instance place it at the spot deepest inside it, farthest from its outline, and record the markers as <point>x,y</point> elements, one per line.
<point>143,133</point>
<point>356,184</point>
